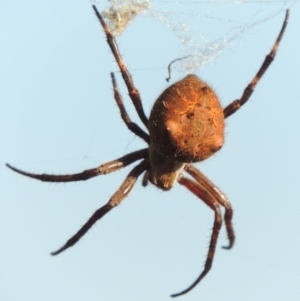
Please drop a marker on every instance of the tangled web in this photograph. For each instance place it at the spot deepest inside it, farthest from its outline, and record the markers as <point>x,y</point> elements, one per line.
<point>204,28</point>
<point>121,12</point>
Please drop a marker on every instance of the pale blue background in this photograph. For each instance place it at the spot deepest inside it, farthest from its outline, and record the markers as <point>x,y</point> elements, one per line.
<point>58,115</point>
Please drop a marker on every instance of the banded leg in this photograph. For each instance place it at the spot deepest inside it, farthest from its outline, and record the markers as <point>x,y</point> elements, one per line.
<point>114,201</point>
<point>200,191</point>
<point>132,90</point>
<point>219,196</point>
<point>89,173</point>
<point>131,125</point>
<point>236,104</point>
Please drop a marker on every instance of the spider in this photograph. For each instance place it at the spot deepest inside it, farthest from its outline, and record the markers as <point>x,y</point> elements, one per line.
<point>186,125</point>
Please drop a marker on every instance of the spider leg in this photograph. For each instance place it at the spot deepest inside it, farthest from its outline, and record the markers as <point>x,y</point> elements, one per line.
<point>132,90</point>
<point>219,196</point>
<point>114,201</point>
<point>236,104</point>
<point>89,173</point>
<point>131,125</point>
<point>200,191</point>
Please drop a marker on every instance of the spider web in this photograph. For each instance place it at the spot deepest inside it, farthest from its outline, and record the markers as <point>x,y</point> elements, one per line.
<point>204,28</point>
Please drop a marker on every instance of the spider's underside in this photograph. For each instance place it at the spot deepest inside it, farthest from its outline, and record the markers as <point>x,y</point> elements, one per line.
<point>186,125</point>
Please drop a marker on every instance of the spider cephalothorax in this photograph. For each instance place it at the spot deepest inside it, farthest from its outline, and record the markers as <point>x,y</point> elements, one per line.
<point>186,125</point>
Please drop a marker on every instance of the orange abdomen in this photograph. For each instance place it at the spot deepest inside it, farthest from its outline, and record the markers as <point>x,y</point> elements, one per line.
<point>187,122</point>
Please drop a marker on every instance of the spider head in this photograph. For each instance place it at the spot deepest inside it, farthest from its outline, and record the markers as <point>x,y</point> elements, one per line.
<point>164,172</point>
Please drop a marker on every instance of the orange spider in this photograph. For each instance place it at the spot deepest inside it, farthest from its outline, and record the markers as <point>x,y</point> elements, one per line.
<point>186,125</point>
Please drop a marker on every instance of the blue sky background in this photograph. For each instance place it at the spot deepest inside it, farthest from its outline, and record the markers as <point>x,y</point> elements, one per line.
<point>58,115</point>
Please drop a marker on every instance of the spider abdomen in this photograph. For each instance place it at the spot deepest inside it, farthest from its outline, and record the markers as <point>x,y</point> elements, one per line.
<point>187,121</point>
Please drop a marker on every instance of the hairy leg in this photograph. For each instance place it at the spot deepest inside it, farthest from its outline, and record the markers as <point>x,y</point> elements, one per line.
<point>131,125</point>
<point>89,173</point>
<point>132,90</point>
<point>219,196</point>
<point>114,201</point>
<point>200,191</point>
<point>236,104</point>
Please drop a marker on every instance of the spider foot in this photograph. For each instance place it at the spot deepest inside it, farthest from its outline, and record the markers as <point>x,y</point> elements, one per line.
<point>59,250</point>
<point>227,247</point>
